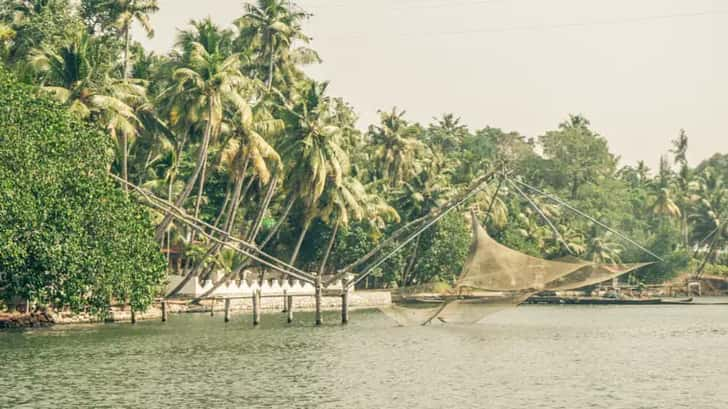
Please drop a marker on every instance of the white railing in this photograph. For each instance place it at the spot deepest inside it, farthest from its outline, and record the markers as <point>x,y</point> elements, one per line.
<point>235,288</point>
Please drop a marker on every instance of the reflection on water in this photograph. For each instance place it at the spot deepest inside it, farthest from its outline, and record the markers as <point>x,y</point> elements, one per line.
<point>529,357</point>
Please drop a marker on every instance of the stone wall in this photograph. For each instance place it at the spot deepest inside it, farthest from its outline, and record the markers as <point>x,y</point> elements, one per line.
<point>269,304</point>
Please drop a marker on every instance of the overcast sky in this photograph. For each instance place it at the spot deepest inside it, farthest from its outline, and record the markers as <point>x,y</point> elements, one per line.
<point>638,69</point>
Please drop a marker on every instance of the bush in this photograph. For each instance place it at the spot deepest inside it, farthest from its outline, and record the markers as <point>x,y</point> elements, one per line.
<point>68,236</point>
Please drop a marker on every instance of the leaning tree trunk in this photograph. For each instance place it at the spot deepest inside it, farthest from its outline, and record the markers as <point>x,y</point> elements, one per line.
<point>124,142</point>
<point>255,228</point>
<point>412,263</point>
<point>212,251</point>
<point>328,248</point>
<point>243,266</point>
<point>201,159</point>
<point>297,249</point>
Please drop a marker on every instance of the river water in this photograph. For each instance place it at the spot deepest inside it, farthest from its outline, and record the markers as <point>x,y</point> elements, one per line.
<point>527,357</point>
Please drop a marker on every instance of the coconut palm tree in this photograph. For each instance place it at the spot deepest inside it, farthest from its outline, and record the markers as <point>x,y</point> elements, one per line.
<point>314,152</point>
<point>272,28</point>
<point>207,80</point>
<point>75,76</point>
<point>396,149</point>
<point>126,12</point>
<point>603,250</point>
<point>664,204</point>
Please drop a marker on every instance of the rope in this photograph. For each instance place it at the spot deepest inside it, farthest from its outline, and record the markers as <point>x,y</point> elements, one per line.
<point>543,216</point>
<point>195,224</point>
<point>371,268</point>
<point>593,220</point>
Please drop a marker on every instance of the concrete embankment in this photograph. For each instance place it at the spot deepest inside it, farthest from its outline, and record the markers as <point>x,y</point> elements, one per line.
<point>357,300</point>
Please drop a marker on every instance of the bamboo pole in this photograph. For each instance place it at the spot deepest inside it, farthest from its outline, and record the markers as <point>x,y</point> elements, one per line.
<point>344,304</point>
<point>256,308</point>
<point>290,308</point>
<point>227,310</point>
<point>318,300</point>
<point>164,311</point>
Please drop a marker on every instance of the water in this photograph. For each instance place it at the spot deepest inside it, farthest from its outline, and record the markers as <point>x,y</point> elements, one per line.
<point>529,357</point>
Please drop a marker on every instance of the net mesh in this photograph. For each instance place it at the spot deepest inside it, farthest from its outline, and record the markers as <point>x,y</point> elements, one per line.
<point>493,266</point>
<point>591,274</point>
<point>496,277</point>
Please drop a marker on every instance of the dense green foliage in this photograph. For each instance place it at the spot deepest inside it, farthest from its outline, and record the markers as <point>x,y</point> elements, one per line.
<point>68,236</point>
<point>228,126</point>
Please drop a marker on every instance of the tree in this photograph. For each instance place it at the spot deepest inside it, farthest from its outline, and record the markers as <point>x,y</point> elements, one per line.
<point>270,28</point>
<point>576,155</point>
<point>314,153</point>
<point>69,237</point>
<point>208,78</point>
<point>395,148</point>
<point>75,75</point>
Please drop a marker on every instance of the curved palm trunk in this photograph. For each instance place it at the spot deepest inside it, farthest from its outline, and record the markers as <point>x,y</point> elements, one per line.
<point>201,160</point>
<point>215,248</point>
<point>255,228</point>
<point>200,189</point>
<point>124,142</point>
<point>297,249</point>
<point>330,246</point>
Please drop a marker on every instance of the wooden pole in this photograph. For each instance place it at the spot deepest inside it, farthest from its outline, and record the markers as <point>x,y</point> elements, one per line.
<point>227,310</point>
<point>285,301</point>
<point>164,311</point>
<point>290,308</point>
<point>318,300</point>
<point>212,307</point>
<point>344,303</point>
<point>133,316</point>
<point>256,308</point>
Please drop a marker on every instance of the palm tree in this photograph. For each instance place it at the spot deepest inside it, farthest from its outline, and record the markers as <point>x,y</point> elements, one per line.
<point>396,148</point>
<point>272,27</point>
<point>603,250</point>
<point>447,132</point>
<point>207,79</point>
<point>314,152</point>
<point>664,205</point>
<point>125,13</point>
<point>74,76</point>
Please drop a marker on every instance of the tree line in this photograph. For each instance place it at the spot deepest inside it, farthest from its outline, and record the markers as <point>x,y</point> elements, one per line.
<point>228,126</point>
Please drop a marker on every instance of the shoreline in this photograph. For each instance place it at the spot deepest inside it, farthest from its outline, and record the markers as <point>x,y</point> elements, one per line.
<point>362,299</point>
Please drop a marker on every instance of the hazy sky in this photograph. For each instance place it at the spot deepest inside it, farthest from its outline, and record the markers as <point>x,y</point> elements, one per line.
<point>638,69</point>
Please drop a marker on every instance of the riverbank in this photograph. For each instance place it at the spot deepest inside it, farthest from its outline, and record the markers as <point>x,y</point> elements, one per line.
<point>357,300</point>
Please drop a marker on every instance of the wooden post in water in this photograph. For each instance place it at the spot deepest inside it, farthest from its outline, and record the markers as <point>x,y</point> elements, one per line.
<point>164,311</point>
<point>285,301</point>
<point>212,307</point>
<point>318,300</point>
<point>227,310</point>
<point>344,303</point>
<point>133,316</point>
<point>256,307</point>
<point>289,302</point>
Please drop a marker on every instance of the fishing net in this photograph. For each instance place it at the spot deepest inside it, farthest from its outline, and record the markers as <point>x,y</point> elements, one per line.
<point>493,266</point>
<point>591,274</point>
<point>412,313</point>
<point>473,310</point>
<point>452,310</point>
<point>496,277</point>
